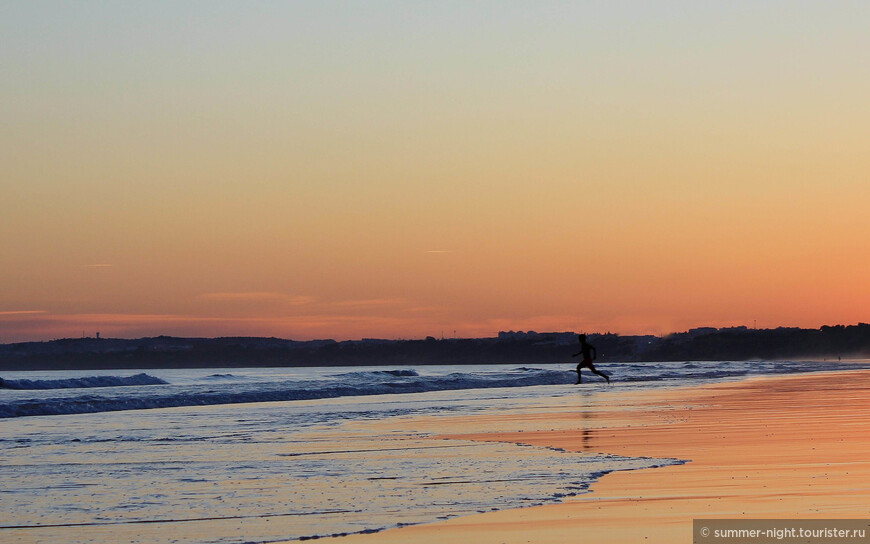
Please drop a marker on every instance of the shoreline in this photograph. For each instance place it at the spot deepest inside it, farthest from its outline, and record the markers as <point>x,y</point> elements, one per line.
<point>793,446</point>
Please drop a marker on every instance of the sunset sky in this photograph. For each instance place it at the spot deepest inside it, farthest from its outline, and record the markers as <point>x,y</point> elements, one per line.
<point>401,169</point>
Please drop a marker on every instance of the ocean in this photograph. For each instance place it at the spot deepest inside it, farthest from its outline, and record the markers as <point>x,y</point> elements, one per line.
<point>271,454</point>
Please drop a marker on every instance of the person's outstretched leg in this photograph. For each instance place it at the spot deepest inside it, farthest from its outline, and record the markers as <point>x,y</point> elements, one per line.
<point>602,374</point>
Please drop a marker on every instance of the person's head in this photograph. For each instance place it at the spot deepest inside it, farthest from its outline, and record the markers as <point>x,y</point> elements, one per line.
<point>582,337</point>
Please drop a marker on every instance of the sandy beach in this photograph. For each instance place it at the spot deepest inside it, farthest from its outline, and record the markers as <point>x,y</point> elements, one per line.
<point>774,447</point>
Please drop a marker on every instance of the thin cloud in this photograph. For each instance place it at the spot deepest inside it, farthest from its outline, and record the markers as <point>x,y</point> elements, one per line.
<point>22,312</point>
<point>97,265</point>
<point>427,309</point>
<point>258,296</point>
<point>368,303</point>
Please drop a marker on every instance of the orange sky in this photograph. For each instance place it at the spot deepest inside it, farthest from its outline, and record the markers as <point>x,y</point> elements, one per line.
<point>321,169</point>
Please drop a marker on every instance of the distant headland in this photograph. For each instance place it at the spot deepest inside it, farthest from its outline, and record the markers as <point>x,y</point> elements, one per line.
<point>735,343</point>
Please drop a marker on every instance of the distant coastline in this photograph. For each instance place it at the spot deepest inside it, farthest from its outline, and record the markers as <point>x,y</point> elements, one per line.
<point>702,344</point>
<point>735,343</point>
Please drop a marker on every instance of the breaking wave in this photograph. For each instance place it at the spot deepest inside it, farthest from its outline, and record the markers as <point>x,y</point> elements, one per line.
<point>83,383</point>
<point>342,385</point>
<point>234,388</point>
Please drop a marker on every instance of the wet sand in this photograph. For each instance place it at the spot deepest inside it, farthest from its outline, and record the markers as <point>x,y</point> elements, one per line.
<point>781,447</point>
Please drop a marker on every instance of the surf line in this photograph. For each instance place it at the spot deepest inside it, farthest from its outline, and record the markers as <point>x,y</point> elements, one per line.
<point>183,520</point>
<point>409,448</point>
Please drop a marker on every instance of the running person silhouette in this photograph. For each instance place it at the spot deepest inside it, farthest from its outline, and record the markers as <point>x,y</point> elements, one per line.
<point>589,354</point>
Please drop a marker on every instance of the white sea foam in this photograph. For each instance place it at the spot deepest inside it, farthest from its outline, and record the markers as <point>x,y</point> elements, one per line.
<point>273,471</point>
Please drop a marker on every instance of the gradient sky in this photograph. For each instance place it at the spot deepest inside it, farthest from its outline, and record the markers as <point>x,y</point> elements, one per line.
<point>401,169</point>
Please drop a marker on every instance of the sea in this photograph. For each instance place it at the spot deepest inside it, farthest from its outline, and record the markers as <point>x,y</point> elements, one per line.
<point>255,455</point>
